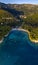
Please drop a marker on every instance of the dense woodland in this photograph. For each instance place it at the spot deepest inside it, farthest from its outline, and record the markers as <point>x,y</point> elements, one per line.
<point>31,24</point>
<point>10,18</point>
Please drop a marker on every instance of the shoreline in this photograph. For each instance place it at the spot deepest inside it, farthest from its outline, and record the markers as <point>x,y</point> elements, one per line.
<point>1,40</point>
<point>20,29</point>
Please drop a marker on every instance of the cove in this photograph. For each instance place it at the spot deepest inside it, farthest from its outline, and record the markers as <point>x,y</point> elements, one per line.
<point>17,49</point>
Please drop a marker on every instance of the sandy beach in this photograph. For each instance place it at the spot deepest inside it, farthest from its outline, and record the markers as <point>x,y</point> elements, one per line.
<point>35,41</point>
<point>1,40</point>
<point>20,29</point>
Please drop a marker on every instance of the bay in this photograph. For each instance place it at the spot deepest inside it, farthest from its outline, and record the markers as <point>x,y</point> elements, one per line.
<point>17,49</point>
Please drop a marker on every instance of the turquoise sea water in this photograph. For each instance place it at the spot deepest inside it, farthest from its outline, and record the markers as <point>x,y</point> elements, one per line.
<point>17,49</point>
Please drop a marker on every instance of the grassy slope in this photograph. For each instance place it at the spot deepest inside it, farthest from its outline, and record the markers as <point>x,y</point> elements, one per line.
<point>4,29</point>
<point>5,14</point>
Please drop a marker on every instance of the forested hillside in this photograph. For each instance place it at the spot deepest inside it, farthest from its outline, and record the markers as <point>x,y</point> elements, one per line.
<point>19,15</point>
<point>31,24</point>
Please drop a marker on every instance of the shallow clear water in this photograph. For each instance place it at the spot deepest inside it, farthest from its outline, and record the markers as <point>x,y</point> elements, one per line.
<point>17,49</point>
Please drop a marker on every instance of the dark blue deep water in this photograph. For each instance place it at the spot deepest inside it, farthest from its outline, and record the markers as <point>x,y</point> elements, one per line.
<point>17,49</point>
